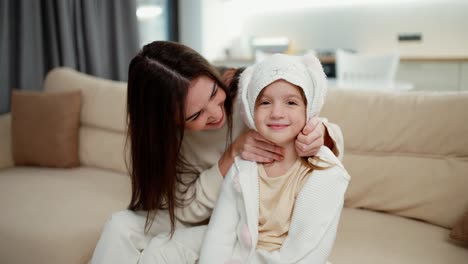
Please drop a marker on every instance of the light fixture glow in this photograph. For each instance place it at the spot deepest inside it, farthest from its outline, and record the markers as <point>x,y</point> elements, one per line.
<point>148,11</point>
<point>281,41</point>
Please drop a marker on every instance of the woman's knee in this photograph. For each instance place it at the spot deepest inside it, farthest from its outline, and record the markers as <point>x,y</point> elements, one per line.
<point>123,223</point>
<point>129,222</point>
<point>162,249</point>
<point>121,240</point>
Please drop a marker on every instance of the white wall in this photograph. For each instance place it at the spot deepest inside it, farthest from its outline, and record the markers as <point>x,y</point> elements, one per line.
<point>202,26</point>
<point>364,26</point>
<point>190,19</point>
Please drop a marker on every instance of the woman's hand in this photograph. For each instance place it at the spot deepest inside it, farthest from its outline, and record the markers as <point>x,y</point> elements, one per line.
<point>250,146</point>
<point>309,141</point>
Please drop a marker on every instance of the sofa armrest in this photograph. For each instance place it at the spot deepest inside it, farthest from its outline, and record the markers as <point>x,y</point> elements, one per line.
<point>6,157</point>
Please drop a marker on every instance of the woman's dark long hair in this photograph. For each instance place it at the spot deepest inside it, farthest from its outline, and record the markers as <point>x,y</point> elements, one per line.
<point>158,81</point>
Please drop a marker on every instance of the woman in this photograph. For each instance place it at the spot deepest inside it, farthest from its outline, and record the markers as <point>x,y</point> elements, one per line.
<point>182,119</point>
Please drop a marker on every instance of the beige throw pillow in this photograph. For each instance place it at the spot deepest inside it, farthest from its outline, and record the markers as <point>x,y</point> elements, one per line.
<point>45,128</point>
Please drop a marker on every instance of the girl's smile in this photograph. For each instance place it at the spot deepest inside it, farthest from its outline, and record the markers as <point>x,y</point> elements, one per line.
<point>277,126</point>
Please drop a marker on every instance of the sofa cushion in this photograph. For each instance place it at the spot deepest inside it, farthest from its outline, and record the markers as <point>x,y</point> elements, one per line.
<point>56,214</point>
<point>103,116</point>
<point>368,237</point>
<point>103,149</point>
<point>407,153</point>
<point>103,101</point>
<point>45,128</point>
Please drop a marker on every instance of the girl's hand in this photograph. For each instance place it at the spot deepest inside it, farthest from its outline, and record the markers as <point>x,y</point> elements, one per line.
<point>250,145</point>
<point>309,141</point>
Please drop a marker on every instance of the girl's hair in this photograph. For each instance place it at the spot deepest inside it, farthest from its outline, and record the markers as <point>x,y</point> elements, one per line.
<point>311,163</point>
<point>159,77</point>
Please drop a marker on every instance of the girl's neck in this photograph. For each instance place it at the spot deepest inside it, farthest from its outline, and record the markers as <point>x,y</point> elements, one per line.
<point>278,168</point>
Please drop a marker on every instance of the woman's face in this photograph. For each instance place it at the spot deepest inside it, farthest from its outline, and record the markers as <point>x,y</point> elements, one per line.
<point>204,105</point>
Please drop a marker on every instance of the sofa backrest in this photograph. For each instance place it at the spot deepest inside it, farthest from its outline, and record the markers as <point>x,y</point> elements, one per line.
<point>103,116</point>
<point>407,153</point>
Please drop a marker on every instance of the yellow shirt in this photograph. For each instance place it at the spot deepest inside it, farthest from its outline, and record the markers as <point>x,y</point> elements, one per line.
<point>277,197</point>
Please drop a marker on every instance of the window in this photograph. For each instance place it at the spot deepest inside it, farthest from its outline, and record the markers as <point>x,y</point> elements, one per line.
<point>157,20</point>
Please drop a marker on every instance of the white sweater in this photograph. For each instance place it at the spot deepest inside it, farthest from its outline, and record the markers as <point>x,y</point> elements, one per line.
<point>233,230</point>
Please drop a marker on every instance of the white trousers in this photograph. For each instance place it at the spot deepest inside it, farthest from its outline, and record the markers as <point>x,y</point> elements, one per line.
<point>123,241</point>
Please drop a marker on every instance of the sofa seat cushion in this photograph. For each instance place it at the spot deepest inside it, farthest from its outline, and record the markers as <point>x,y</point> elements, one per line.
<point>56,215</point>
<point>372,237</point>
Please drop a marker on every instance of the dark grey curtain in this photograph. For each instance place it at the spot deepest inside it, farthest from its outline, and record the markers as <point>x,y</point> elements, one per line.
<point>98,37</point>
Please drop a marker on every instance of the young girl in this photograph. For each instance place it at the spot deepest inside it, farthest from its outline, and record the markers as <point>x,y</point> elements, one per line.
<point>285,211</point>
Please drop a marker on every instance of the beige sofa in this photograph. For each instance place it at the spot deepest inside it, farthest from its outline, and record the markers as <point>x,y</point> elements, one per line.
<point>407,155</point>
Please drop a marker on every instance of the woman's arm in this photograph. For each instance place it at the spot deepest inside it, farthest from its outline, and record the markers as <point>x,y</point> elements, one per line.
<point>201,197</point>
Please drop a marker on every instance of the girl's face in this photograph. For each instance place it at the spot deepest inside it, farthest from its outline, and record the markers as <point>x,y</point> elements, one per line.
<point>204,105</point>
<point>280,112</point>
